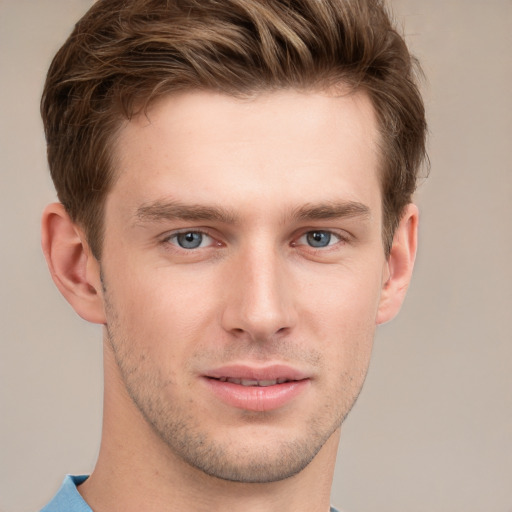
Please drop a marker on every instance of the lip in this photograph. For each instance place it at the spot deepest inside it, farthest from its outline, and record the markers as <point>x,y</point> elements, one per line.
<point>257,398</point>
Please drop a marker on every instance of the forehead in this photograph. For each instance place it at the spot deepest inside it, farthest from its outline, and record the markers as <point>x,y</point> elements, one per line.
<point>283,147</point>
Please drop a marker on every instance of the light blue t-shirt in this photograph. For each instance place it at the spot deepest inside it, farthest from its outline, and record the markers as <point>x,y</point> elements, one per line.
<point>68,499</point>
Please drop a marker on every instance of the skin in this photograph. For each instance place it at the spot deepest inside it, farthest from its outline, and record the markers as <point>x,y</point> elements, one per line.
<point>281,193</point>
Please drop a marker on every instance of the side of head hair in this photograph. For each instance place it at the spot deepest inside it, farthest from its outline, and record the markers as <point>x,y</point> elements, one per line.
<point>124,54</point>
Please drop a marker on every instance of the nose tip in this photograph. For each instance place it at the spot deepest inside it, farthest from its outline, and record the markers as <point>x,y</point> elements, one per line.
<point>261,319</point>
<point>259,303</point>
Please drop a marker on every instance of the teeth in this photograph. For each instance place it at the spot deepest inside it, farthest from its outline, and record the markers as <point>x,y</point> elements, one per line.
<point>249,382</point>
<point>253,382</point>
<point>267,383</point>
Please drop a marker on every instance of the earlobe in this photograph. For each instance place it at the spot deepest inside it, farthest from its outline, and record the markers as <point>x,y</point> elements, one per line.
<point>73,268</point>
<point>400,265</point>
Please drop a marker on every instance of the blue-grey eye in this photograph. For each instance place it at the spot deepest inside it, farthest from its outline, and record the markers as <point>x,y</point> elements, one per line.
<point>318,238</point>
<point>190,239</point>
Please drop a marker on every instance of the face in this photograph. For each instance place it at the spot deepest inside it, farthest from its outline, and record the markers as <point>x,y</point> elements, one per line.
<point>242,269</point>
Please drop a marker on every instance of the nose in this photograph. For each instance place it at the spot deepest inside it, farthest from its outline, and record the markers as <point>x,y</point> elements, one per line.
<point>259,303</point>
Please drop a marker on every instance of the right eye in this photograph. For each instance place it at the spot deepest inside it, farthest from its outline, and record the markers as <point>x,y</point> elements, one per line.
<point>319,239</point>
<point>190,239</point>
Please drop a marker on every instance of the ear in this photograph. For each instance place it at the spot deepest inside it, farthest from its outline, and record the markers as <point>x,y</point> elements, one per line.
<point>399,265</point>
<point>74,269</point>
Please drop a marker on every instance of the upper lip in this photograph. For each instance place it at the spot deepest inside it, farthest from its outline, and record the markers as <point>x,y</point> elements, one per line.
<point>258,373</point>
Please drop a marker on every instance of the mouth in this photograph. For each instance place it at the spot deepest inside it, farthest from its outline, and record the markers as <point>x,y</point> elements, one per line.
<point>253,382</point>
<point>257,389</point>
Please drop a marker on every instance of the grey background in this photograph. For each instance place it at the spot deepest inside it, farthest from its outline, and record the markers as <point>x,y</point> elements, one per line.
<point>432,429</point>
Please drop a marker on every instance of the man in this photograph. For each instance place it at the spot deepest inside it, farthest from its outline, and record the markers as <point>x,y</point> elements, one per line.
<point>235,181</point>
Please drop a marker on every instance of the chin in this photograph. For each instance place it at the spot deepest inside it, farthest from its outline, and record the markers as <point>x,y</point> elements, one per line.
<point>255,455</point>
<point>263,464</point>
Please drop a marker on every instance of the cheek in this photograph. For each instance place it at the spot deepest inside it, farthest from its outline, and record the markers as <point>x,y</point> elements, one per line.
<point>340,312</point>
<point>159,308</point>
<point>343,298</point>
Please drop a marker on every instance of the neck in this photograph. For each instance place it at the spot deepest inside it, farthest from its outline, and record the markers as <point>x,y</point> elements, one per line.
<point>137,471</point>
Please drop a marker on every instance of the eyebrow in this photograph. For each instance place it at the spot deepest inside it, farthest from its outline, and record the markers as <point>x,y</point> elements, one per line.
<point>159,211</point>
<point>332,210</point>
<point>174,210</point>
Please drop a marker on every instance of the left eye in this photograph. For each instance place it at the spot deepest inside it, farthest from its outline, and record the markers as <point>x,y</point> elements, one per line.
<point>191,239</point>
<point>319,239</point>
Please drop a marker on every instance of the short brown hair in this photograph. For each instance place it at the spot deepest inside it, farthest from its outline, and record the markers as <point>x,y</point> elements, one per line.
<point>123,54</point>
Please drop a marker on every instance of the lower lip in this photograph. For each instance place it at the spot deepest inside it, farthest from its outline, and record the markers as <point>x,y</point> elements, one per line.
<point>257,398</point>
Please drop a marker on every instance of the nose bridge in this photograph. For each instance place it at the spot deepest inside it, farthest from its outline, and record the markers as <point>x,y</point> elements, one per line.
<point>259,303</point>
